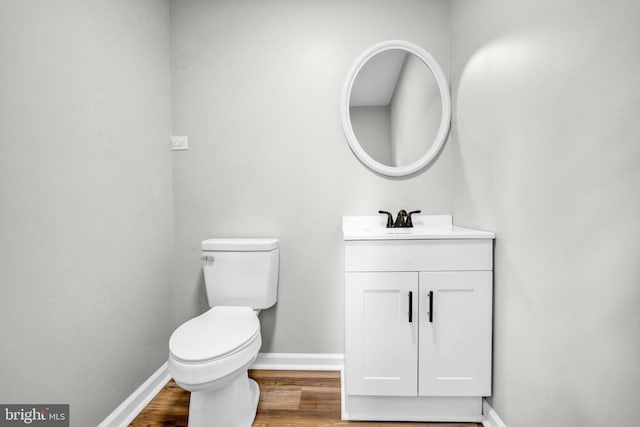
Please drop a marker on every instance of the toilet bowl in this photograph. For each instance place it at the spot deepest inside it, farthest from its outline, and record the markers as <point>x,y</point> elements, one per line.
<point>210,354</point>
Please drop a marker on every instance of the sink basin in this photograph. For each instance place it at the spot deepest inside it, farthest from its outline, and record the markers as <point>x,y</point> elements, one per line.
<point>424,227</point>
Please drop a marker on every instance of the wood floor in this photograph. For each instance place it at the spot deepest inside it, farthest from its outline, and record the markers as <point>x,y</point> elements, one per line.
<point>287,398</point>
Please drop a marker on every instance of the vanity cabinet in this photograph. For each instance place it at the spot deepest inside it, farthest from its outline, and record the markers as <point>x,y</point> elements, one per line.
<point>418,327</point>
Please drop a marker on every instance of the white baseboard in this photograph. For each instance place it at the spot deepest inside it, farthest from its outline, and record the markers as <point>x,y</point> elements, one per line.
<point>489,417</point>
<point>299,361</point>
<point>130,408</point>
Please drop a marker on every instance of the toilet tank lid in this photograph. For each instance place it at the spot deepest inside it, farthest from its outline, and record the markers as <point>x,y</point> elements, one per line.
<point>240,244</point>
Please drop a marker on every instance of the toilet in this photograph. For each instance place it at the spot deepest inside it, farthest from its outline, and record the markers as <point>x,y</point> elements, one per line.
<point>209,355</point>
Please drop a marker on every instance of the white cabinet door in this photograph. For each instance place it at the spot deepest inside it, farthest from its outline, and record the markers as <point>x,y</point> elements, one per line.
<point>455,337</point>
<point>381,341</point>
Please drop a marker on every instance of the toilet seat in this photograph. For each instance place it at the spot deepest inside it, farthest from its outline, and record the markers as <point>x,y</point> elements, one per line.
<point>215,334</point>
<point>207,351</point>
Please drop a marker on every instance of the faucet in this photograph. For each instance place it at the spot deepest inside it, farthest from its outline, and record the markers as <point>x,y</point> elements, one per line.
<point>403,219</point>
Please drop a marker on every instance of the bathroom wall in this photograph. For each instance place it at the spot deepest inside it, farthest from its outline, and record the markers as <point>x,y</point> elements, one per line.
<point>545,152</point>
<point>86,219</point>
<point>256,86</point>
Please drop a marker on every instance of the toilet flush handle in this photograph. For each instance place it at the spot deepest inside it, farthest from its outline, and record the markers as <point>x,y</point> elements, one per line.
<point>207,258</point>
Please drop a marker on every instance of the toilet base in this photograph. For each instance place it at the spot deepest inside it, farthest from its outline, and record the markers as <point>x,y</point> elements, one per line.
<point>234,404</point>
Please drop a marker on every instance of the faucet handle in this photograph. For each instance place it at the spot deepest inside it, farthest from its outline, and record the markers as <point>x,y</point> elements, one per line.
<point>409,220</point>
<point>389,218</point>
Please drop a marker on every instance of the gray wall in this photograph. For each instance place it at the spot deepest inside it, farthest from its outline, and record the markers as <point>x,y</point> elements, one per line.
<point>545,149</point>
<point>86,208</point>
<point>256,86</point>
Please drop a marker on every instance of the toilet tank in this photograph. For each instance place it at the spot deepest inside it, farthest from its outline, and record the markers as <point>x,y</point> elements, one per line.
<point>241,272</point>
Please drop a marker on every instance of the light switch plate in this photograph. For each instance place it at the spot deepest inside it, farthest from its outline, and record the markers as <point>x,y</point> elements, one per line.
<point>179,142</point>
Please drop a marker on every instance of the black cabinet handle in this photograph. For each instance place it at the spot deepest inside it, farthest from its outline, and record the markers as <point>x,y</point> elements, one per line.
<point>430,306</point>
<point>410,307</point>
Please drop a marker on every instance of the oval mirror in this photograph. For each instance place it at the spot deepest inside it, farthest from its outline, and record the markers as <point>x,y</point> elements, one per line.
<point>396,108</point>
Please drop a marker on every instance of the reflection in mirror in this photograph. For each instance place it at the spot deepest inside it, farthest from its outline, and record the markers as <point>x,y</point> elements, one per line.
<point>395,107</point>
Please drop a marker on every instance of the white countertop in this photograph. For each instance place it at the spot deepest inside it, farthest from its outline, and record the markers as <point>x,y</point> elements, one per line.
<point>424,227</point>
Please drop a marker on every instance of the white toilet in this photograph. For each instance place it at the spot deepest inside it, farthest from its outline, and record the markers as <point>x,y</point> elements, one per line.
<point>209,355</point>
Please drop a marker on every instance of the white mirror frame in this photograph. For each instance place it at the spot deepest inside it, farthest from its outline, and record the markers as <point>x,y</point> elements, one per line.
<point>445,122</point>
